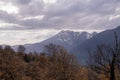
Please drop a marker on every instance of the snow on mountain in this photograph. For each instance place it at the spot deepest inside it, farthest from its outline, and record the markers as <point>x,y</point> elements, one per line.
<point>70,37</point>
<point>67,39</point>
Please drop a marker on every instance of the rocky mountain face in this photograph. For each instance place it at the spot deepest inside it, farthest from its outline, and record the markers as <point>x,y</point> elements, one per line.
<point>67,39</point>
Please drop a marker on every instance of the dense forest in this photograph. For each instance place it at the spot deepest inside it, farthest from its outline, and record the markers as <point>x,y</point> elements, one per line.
<point>55,63</point>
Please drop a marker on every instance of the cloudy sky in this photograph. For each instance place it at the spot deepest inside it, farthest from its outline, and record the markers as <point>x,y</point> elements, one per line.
<point>30,21</point>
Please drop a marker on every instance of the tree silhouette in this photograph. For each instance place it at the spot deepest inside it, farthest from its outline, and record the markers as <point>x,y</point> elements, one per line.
<point>21,49</point>
<point>106,60</point>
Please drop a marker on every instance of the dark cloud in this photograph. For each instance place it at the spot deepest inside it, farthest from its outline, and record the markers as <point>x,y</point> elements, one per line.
<point>9,18</point>
<point>18,2</point>
<point>21,1</point>
<point>73,14</point>
<point>32,9</point>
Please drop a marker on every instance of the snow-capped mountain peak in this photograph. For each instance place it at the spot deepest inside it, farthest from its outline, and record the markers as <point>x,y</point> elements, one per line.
<point>65,38</point>
<point>70,37</point>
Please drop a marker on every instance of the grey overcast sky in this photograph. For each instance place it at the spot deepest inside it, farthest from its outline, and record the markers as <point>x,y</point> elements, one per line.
<point>29,21</point>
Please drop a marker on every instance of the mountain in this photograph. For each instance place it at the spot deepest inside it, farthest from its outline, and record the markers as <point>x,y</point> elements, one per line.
<point>78,43</point>
<point>106,37</point>
<point>67,39</point>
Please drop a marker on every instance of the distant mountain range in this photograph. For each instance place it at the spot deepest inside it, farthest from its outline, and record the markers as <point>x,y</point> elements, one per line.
<point>67,39</point>
<point>77,43</point>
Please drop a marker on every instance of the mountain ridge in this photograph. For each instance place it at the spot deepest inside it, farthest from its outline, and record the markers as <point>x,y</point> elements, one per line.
<point>77,43</point>
<point>106,37</point>
<point>65,38</point>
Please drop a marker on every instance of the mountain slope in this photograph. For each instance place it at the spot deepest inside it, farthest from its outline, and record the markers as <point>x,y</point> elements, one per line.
<point>67,39</point>
<point>105,37</point>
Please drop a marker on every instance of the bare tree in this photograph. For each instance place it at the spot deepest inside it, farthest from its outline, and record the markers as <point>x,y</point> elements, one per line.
<point>62,65</point>
<point>11,67</point>
<point>106,60</point>
<point>21,49</point>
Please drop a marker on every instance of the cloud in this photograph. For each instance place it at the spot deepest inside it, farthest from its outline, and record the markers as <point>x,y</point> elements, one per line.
<point>16,37</point>
<point>62,14</point>
<point>9,18</point>
<point>30,21</point>
<point>21,1</point>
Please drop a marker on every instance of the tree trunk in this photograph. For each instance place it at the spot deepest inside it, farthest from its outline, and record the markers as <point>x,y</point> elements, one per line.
<point>112,72</point>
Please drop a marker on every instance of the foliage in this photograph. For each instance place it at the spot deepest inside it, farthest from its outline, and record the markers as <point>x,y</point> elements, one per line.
<point>53,64</point>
